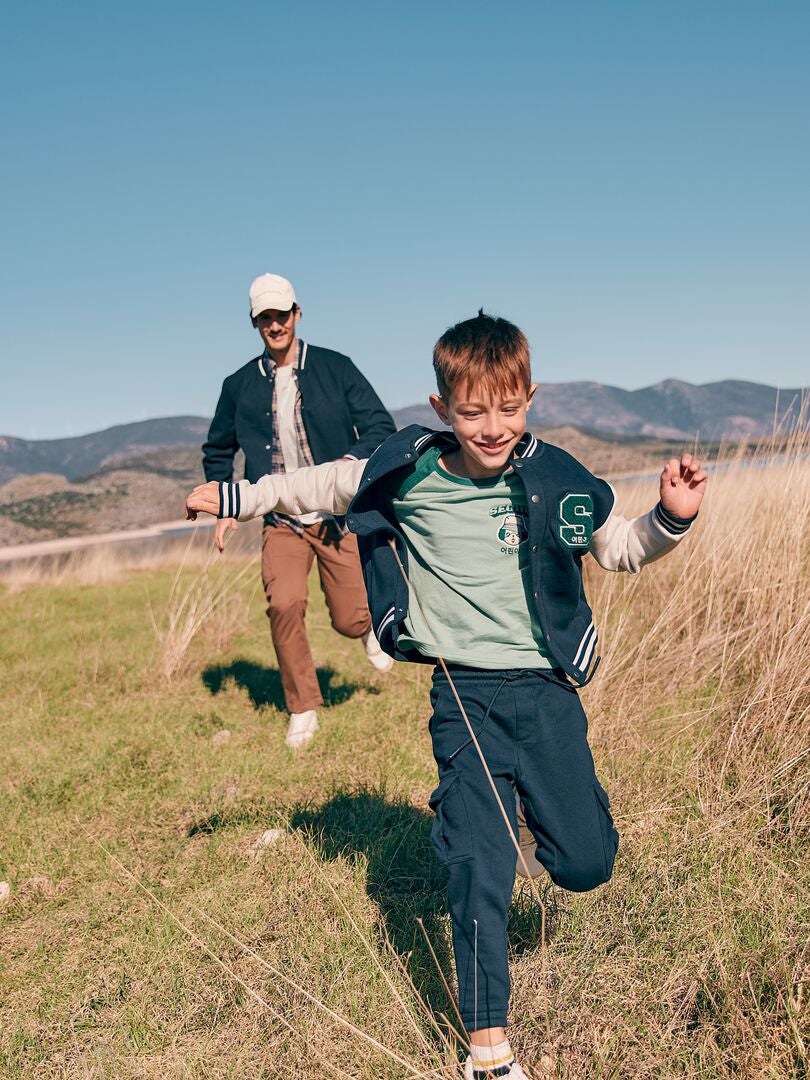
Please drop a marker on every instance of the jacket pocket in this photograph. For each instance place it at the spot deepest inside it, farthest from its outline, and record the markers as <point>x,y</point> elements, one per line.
<point>451,834</point>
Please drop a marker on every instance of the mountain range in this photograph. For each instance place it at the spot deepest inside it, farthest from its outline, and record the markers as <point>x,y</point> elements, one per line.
<point>669,410</point>
<point>84,454</point>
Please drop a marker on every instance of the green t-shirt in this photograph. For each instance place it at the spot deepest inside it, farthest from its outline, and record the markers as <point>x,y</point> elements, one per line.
<point>468,568</point>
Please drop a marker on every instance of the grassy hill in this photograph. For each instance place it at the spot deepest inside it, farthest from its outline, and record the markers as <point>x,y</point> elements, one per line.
<point>136,492</point>
<point>155,927</point>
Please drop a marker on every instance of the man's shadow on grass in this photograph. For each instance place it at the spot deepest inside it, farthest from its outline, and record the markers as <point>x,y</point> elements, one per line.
<point>263,684</point>
<point>404,878</point>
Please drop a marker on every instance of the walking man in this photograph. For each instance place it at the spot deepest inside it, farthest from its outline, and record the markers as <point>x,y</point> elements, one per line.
<point>292,406</point>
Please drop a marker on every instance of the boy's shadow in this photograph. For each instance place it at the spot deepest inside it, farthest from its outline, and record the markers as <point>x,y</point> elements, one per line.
<point>404,878</point>
<point>407,882</point>
<point>263,684</point>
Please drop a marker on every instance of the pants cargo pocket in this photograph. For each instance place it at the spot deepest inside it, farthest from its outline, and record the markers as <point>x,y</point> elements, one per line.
<point>610,838</point>
<point>451,834</point>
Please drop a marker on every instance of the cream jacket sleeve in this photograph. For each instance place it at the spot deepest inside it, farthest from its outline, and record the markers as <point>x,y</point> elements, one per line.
<point>329,488</point>
<point>630,543</point>
<point>619,544</point>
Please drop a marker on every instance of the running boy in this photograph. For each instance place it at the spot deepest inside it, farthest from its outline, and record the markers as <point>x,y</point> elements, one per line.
<point>489,526</point>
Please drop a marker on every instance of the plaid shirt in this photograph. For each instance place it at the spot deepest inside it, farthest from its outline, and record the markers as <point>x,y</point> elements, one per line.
<point>277,458</point>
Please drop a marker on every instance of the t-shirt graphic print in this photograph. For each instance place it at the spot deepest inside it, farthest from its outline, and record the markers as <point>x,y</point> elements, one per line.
<point>471,591</point>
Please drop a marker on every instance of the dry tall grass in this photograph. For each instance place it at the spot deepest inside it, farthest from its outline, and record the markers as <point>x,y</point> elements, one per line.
<point>100,563</point>
<point>204,600</point>
<point>699,717</point>
<point>728,610</point>
<point>94,565</point>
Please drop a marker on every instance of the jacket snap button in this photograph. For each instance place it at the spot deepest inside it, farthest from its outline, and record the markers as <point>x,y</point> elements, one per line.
<point>535,498</point>
<point>534,548</point>
<point>267,447</point>
<point>408,455</point>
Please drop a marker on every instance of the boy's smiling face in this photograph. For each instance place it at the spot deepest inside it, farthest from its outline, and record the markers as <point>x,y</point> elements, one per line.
<point>487,426</point>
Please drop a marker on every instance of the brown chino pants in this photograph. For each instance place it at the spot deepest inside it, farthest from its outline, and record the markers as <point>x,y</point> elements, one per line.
<point>286,562</point>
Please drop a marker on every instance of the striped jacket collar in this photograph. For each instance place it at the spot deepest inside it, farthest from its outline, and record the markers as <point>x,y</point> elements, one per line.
<point>267,364</point>
<point>526,447</point>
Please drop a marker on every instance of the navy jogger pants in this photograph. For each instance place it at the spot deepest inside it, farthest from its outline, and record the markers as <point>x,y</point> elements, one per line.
<point>533,734</point>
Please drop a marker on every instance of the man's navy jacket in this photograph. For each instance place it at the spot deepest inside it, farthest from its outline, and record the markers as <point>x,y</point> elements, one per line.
<point>342,415</point>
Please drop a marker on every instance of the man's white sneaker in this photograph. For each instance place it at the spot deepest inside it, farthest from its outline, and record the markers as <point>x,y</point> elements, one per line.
<point>513,1073</point>
<point>528,845</point>
<point>376,657</point>
<point>301,728</point>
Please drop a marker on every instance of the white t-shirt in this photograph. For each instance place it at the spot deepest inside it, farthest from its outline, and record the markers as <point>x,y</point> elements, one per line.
<point>286,393</point>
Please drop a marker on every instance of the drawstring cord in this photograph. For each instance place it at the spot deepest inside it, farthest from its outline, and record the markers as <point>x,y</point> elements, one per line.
<point>481,726</point>
<point>515,842</point>
<point>512,833</point>
<point>521,674</point>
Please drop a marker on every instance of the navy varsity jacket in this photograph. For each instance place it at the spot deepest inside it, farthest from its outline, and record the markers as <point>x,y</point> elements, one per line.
<point>566,504</point>
<point>342,414</point>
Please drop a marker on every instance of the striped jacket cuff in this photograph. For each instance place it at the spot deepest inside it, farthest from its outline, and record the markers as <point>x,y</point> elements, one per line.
<point>670,522</point>
<point>230,500</point>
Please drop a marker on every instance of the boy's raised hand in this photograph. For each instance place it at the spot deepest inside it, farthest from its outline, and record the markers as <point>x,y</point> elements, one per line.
<point>683,485</point>
<point>204,499</point>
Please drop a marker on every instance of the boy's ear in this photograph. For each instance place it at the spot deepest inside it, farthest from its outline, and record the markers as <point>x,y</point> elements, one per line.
<point>440,408</point>
<point>531,393</point>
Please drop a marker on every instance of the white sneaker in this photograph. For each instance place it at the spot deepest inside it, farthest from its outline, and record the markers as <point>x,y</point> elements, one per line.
<point>515,1072</point>
<point>301,728</point>
<point>528,845</point>
<point>376,657</point>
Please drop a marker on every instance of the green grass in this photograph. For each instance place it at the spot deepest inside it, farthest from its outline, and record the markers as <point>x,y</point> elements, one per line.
<point>688,964</point>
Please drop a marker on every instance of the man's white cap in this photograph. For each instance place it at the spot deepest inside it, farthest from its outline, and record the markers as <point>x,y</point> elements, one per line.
<point>271,291</point>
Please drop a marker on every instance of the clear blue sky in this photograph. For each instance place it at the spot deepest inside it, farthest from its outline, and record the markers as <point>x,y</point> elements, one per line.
<point>628,181</point>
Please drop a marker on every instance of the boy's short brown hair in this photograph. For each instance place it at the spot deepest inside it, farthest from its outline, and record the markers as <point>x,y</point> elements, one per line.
<point>484,351</point>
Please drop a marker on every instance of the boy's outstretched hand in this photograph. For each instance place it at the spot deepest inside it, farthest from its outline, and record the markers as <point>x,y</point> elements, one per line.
<point>204,499</point>
<point>683,485</point>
